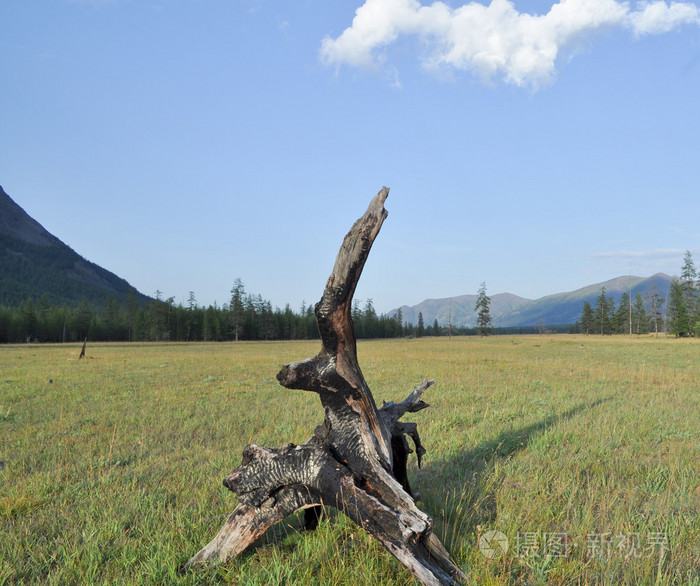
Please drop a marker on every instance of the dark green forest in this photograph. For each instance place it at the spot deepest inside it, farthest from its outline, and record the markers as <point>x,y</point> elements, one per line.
<point>134,317</point>
<point>245,317</point>
<point>677,313</point>
<point>65,276</point>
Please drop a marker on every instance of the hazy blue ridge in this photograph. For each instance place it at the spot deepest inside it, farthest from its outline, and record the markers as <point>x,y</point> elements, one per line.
<point>508,310</point>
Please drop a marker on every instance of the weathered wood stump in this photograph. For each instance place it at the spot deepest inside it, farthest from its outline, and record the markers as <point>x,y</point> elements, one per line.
<point>355,461</point>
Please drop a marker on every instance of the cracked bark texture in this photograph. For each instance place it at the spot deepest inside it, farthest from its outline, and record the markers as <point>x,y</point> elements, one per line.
<point>356,460</point>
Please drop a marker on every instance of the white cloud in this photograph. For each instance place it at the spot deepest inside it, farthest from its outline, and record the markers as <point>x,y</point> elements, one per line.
<point>494,39</point>
<point>666,260</point>
<point>658,17</point>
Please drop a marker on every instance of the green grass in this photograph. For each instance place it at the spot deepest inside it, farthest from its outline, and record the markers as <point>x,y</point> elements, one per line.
<point>583,448</point>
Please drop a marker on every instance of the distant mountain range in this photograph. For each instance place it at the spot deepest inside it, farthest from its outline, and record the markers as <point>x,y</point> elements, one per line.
<point>34,262</point>
<point>508,310</point>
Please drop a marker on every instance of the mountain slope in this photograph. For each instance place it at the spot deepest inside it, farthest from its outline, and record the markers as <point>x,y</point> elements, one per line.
<point>509,310</point>
<point>33,262</point>
<point>459,310</point>
<point>566,308</point>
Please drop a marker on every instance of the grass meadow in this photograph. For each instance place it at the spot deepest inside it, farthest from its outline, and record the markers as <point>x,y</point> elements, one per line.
<point>583,451</point>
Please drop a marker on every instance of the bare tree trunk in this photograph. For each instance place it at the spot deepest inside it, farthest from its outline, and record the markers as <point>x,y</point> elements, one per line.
<point>356,461</point>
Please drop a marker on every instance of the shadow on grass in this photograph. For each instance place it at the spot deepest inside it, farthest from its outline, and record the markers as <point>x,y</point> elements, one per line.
<point>456,485</point>
<point>457,492</point>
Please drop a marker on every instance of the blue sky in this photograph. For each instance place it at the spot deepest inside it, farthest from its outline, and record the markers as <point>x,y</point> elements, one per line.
<point>182,144</point>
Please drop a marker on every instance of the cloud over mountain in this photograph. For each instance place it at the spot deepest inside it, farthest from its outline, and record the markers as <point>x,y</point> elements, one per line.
<point>495,40</point>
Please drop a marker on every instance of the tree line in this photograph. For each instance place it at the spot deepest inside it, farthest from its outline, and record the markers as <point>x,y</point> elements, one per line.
<point>677,312</point>
<point>244,317</point>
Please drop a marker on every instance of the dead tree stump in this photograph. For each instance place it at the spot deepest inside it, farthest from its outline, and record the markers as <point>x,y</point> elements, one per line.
<point>356,460</point>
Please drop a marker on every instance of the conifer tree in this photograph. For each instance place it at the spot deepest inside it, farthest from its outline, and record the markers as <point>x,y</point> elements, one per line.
<point>483,311</point>
<point>678,316</point>
<point>656,304</point>
<point>603,314</point>
<point>237,309</point>
<point>587,318</point>
<point>132,308</point>
<point>640,322</point>
<point>623,316</point>
<point>688,283</point>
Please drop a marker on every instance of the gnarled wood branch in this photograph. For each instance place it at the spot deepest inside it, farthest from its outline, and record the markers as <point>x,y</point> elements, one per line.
<point>354,462</point>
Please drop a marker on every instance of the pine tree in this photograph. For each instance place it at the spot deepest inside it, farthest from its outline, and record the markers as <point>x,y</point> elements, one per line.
<point>42,312</point>
<point>29,321</point>
<point>191,317</point>
<point>237,309</point>
<point>267,328</point>
<point>678,316</point>
<point>603,314</point>
<point>689,275</point>
<point>483,311</point>
<point>587,318</point>
<point>420,331</point>
<point>640,322</point>
<point>132,308</point>
<point>83,318</point>
<point>112,319</point>
<point>623,316</point>
<point>371,322</point>
<point>208,327</point>
<point>656,303</point>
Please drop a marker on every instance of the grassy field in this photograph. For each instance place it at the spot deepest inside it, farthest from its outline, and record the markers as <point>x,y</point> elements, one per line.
<point>583,451</point>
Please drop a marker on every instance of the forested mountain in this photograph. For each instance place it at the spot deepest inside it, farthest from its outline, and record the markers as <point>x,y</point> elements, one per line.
<point>34,263</point>
<point>565,308</point>
<point>509,310</point>
<point>458,310</point>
